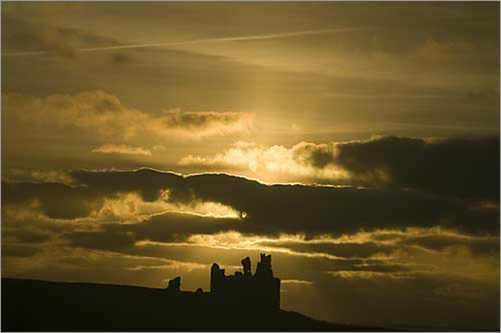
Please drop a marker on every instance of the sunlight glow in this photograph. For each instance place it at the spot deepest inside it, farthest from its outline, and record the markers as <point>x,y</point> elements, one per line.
<point>133,209</point>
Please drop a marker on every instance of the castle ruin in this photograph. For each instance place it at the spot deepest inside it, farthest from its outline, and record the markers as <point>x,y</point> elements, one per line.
<point>246,290</point>
<point>242,291</point>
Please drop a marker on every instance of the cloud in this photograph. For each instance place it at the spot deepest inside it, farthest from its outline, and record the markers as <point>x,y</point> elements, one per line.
<point>120,58</point>
<point>265,209</point>
<point>300,282</point>
<point>103,113</point>
<point>128,205</point>
<point>110,148</point>
<point>19,250</point>
<point>28,34</point>
<point>431,51</point>
<point>222,122</point>
<point>45,38</point>
<point>165,228</point>
<point>56,200</point>
<point>36,176</point>
<point>24,235</point>
<point>458,167</point>
<point>274,164</point>
<point>461,167</point>
<point>281,208</point>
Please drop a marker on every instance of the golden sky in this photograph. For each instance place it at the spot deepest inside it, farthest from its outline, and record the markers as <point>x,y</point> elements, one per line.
<point>358,143</point>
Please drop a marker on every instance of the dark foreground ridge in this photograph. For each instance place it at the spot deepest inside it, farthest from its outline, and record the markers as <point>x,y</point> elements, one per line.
<point>241,302</point>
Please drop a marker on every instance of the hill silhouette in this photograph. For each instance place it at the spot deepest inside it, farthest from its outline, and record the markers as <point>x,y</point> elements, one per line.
<point>239,302</point>
<point>32,305</point>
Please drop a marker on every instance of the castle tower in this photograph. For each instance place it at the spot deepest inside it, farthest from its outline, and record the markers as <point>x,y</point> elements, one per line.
<point>246,264</point>
<point>217,276</point>
<point>258,292</point>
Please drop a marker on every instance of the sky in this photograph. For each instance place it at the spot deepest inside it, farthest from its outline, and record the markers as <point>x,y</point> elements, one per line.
<point>358,143</point>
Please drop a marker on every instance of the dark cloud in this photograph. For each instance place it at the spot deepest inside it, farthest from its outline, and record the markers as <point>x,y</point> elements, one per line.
<point>29,236</point>
<point>319,156</point>
<point>172,227</point>
<point>285,208</point>
<point>24,35</point>
<point>477,218</point>
<point>168,229</point>
<point>165,228</point>
<point>269,209</point>
<point>461,167</point>
<point>477,246</point>
<point>345,250</point>
<point>115,240</point>
<point>147,182</point>
<point>19,250</point>
<point>56,200</point>
<point>121,58</point>
<point>197,120</point>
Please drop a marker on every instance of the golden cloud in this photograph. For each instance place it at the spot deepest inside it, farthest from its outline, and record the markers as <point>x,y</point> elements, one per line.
<point>270,164</point>
<point>109,148</point>
<point>104,114</point>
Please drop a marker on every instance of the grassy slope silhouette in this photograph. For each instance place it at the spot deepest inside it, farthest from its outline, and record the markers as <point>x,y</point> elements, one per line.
<point>31,305</point>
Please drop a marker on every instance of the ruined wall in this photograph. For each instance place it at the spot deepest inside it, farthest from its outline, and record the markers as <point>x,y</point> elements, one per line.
<point>244,291</point>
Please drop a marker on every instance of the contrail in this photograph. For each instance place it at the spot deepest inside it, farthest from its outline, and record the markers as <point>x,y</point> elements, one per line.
<point>192,42</point>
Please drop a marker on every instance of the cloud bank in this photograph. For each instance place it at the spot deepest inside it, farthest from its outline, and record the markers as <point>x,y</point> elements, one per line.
<point>457,167</point>
<point>104,114</point>
<point>267,209</point>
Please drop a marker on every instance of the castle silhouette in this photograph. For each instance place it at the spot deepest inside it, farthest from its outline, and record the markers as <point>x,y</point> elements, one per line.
<point>240,302</point>
<point>242,291</point>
